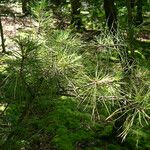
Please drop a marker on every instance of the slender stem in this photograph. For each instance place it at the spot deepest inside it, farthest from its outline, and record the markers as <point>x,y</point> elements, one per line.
<point>2,37</point>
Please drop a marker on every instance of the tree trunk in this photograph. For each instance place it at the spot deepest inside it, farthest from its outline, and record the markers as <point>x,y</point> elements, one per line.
<point>132,3</point>
<point>25,7</point>
<point>111,15</point>
<point>75,14</point>
<point>139,16</point>
<point>2,37</point>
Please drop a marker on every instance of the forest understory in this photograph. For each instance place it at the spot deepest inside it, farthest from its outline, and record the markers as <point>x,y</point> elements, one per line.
<point>74,75</point>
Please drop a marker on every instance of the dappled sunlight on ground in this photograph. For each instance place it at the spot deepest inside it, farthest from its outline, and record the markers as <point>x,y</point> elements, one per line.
<point>14,23</point>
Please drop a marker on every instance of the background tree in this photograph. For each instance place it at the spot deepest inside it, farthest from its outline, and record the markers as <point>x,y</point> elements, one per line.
<point>111,15</point>
<point>75,13</point>
<point>139,16</point>
<point>25,6</point>
<point>2,37</point>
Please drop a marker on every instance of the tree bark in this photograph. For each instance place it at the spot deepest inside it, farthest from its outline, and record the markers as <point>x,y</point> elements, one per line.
<point>132,3</point>
<point>2,37</point>
<point>139,16</point>
<point>75,14</point>
<point>111,15</point>
<point>25,8</point>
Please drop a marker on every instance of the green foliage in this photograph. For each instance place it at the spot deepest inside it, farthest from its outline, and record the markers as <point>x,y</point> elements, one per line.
<point>59,91</point>
<point>40,74</point>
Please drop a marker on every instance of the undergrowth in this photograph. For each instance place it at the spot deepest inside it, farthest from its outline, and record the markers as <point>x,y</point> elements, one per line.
<point>60,92</point>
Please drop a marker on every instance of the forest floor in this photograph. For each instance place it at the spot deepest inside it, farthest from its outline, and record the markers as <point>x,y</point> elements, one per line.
<point>14,22</point>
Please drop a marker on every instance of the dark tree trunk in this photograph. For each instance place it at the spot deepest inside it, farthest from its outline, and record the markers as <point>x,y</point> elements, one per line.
<point>75,14</point>
<point>2,37</point>
<point>25,7</point>
<point>132,3</point>
<point>139,16</point>
<point>111,15</point>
